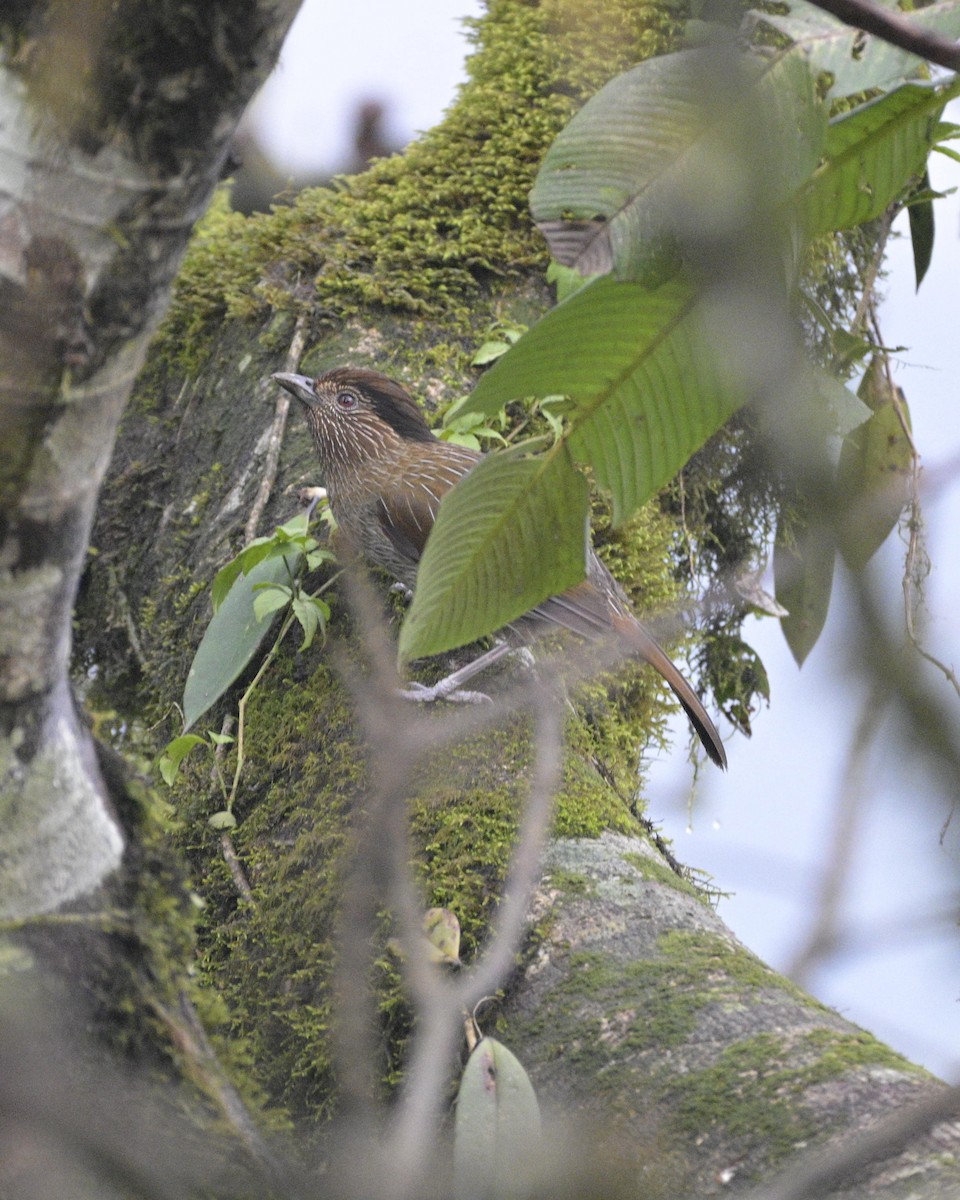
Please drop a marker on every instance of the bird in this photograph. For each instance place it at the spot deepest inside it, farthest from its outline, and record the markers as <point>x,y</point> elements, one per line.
<point>385,472</point>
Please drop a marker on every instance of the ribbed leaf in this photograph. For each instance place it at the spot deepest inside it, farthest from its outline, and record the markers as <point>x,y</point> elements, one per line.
<point>857,61</point>
<point>648,391</point>
<point>654,143</point>
<point>511,533</point>
<point>603,193</point>
<point>870,155</point>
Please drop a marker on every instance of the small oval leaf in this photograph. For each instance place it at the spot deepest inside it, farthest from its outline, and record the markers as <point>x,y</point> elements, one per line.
<point>497,1131</point>
<point>873,475</point>
<point>442,930</point>
<point>222,820</point>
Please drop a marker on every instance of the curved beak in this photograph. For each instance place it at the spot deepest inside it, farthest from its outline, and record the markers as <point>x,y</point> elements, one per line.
<point>299,386</point>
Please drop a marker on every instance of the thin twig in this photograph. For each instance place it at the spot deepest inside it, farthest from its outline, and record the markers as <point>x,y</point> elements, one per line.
<point>235,867</point>
<point>127,617</point>
<point>399,738</point>
<point>189,1035</point>
<point>915,556</point>
<point>849,809</point>
<point>230,856</point>
<point>890,27</point>
<point>242,705</point>
<point>111,921</point>
<point>269,477</point>
<point>442,1001</point>
<point>866,308</point>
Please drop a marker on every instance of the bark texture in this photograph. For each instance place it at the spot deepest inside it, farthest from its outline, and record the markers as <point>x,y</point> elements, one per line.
<point>632,1004</point>
<point>114,126</point>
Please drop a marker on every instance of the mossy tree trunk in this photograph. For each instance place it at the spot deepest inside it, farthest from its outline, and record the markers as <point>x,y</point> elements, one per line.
<point>114,126</point>
<point>632,1005</point>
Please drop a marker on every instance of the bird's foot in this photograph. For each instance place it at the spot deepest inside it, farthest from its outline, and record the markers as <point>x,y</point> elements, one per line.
<point>446,689</point>
<point>401,589</point>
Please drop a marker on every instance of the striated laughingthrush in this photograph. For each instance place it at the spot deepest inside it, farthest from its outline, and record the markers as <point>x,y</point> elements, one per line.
<point>385,473</point>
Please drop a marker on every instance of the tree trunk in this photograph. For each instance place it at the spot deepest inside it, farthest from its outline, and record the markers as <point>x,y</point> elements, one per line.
<point>632,1003</point>
<point>114,127</point>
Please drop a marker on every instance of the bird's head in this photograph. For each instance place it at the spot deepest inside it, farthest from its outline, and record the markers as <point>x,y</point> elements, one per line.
<point>356,415</point>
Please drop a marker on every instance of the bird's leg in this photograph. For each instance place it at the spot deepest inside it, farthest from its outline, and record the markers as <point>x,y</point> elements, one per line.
<point>311,497</point>
<point>449,688</point>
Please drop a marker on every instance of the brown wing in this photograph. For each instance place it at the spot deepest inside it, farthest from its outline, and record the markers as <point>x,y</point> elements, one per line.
<point>408,505</point>
<point>598,606</point>
<point>589,609</point>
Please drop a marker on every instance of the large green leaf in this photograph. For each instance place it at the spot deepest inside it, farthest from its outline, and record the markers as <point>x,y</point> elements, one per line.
<point>232,637</point>
<point>602,195</point>
<point>856,61</point>
<point>871,154</point>
<point>509,534</point>
<point>660,142</point>
<point>648,387</point>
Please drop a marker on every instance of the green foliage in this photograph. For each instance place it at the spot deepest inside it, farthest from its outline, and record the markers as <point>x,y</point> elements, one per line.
<point>644,398</point>
<point>920,212</point>
<point>509,503</point>
<point>872,154</point>
<point>803,564</point>
<point>496,1144</point>
<point>499,340</point>
<point>638,352</point>
<point>175,751</point>
<point>846,61</point>
<point>873,475</point>
<point>247,594</point>
<point>635,154</point>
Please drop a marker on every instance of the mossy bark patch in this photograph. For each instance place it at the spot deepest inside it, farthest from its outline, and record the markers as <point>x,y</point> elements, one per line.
<point>639,1011</point>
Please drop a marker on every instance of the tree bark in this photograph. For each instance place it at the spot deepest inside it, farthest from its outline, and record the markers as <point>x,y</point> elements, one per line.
<point>632,1004</point>
<point>114,127</point>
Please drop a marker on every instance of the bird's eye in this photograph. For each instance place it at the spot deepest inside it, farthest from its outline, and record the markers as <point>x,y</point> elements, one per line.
<point>347,400</point>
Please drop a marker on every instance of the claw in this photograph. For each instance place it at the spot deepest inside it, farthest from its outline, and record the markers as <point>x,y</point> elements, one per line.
<point>423,694</point>
<point>524,657</point>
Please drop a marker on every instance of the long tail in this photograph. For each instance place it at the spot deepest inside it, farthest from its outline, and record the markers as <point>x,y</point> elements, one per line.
<point>650,651</point>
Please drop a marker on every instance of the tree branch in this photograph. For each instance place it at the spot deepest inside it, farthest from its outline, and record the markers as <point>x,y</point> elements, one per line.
<point>889,27</point>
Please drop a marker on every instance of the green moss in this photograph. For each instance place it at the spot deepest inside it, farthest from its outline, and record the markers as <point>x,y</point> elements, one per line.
<point>422,232</point>
<point>586,805</point>
<point>750,1095</point>
<point>465,821</point>
<point>836,1053</point>
<point>655,871</point>
<point>611,1016</point>
<point>570,882</point>
<point>753,1094</point>
<point>271,961</point>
